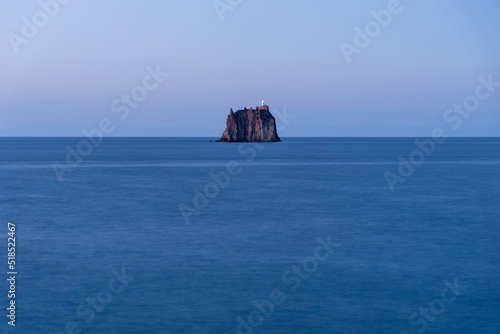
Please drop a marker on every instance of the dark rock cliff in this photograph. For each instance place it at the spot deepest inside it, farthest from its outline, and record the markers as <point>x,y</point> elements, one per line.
<point>250,125</point>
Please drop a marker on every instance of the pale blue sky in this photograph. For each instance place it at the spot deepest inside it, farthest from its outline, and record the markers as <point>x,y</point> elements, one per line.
<point>65,78</point>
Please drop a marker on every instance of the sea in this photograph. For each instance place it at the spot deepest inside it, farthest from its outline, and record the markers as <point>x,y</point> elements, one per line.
<point>309,235</point>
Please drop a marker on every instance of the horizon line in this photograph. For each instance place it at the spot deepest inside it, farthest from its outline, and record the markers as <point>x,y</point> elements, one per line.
<point>210,137</point>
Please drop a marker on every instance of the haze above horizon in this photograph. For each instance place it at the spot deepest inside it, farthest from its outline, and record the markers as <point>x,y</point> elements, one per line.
<point>174,69</point>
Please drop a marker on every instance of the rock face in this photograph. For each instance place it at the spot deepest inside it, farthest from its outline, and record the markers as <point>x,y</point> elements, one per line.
<point>254,125</point>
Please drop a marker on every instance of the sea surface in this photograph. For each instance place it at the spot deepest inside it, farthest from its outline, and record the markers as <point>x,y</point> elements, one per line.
<point>135,235</point>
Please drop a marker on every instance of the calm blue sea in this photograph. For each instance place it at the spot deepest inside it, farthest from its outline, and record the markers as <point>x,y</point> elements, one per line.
<point>138,237</point>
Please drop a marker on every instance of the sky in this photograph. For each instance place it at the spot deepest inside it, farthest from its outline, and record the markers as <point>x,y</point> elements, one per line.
<point>66,65</point>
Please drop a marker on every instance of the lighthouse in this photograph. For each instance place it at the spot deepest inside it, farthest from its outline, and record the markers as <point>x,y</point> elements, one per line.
<point>263,107</point>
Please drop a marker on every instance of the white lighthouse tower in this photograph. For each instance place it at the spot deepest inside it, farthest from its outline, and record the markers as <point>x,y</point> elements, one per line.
<point>262,102</point>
